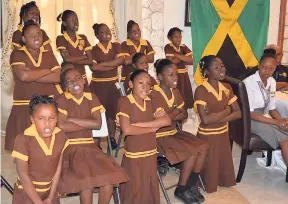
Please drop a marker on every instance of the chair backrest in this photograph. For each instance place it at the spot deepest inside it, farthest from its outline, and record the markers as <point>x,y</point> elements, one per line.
<point>239,130</point>
<point>103,132</point>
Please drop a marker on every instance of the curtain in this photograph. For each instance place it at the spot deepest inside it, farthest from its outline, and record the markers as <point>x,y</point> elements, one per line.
<point>88,11</point>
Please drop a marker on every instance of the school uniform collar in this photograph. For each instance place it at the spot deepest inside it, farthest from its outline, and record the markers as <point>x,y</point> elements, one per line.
<point>256,78</point>
<point>170,102</point>
<point>32,131</point>
<point>222,89</point>
<point>79,101</point>
<point>175,48</point>
<point>38,63</point>
<point>74,44</point>
<point>133,101</point>
<point>20,28</point>
<point>142,42</point>
<point>105,51</point>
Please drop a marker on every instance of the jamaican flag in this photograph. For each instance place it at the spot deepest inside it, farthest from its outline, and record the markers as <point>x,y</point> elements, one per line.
<point>234,30</point>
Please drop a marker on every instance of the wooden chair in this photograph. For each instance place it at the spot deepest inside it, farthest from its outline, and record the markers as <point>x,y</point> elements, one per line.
<point>240,130</point>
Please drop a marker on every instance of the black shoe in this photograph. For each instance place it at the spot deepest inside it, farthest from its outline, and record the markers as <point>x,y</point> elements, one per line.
<point>195,191</point>
<point>186,197</point>
<point>113,143</point>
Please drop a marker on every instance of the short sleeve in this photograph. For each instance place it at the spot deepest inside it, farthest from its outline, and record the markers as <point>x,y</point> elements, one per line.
<point>232,97</point>
<point>62,104</point>
<point>16,40</point>
<point>168,51</point>
<point>125,49</point>
<point>61,43</point>
<point>179,102</point>
<point>87,45</point>
<point>123,107</point>
<point>54,63</point>
<point>118,50</point>
<point>186,51</point>
<point>250,94</point>
<point>200,98</point>
<point>46,39</point>
<point>149,50</point>
<point>21,149</point>
<point>96,105</point>
<point>272,103</point>
<point>17,58</point>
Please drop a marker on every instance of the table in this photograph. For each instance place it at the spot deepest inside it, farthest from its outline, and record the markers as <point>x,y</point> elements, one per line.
<point>282,103</point>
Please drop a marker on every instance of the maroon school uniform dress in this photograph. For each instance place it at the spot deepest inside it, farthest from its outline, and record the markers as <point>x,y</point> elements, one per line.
<point>77,48</point>
<point>126,83</point>
<point>17,41</point>
<point>103,83</point>
<point>42,162</point>
<point>19,118</point>
<point>184,84</point>
<point>129,48</point>
<point>218,169</point>
<point>85,165</point>
<point>139,160</point>
<point>176,145</point>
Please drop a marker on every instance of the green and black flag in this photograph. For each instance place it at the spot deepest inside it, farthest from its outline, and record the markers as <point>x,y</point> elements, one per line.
<point>234,30</point>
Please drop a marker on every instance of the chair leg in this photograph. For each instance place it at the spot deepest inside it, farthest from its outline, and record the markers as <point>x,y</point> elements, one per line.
<point>6,185</point>
<point>202,184</point>
<point>242,165</point>
<point>231,144</point>
<point>109,149</point>
<point>287,175</point>
<point>118,144</point>
<point>269,158</point>
<point>163,189</point>
<point>116,196</point>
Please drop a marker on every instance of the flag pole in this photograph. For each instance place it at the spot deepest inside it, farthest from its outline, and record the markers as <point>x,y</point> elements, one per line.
<point>282,24</point>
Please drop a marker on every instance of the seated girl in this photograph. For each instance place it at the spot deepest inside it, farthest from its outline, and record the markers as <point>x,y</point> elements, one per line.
<point>85,166</point>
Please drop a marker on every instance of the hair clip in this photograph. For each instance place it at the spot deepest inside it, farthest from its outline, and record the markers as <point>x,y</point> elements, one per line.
<point>61,16</point>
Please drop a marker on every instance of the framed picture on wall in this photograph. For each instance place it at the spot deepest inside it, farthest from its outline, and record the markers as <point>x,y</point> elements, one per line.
<point>187,22</point>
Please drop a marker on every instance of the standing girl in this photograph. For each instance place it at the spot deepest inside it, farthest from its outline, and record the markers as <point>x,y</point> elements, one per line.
<point>29,11</point>
<point>217,105</point>
<point>134,44</point>
<point>177,146</point>
<point>85,166</point>
<point>107,57</point>
<point>139,61</point>
<point>73,47</point>
<point>181,56</point>
<point>35,71</point>
<point>38,155</point>
<point>139,124</point>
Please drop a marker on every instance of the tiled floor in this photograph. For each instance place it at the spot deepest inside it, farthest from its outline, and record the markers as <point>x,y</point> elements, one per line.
<point>259,185</point>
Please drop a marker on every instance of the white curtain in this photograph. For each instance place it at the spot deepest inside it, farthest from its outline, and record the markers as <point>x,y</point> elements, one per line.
<point>88,11</point>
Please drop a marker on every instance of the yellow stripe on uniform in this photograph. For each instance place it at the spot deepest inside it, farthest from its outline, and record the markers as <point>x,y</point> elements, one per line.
<point>17,63</point>
<point>46,42</point>
<point>65,145</point>
<point>61,48</point>
<point>214,129</point>
<point>213,133</point>
<point>59,89</point>
<point>40,183</point>
<point>81,141</point>
<point>104,79</point>
<point>167,133</point>
<point>182,71</point>
<point>63,111</point>
<point>169,55</point>
<point>232,100</point>
<point>101,108</point>
<point>151,52</point>
<point>37,189</point>
<point>18,155</point>
<point>199,102</point>
<point>228,26</point>
<point>181,105</point>
<point>134,155</point>
<point>54,68</point>
<point>123,114</point>
<point>88,48</point>
<point>21,102</point>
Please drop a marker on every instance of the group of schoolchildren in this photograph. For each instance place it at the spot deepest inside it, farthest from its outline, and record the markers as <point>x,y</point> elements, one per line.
<point>49,130</point>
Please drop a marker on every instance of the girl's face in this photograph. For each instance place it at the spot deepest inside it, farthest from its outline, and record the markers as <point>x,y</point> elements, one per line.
<point>141,85</point>
<point>135,32</point>
<point>74,83</point>
<point>169,76</point>
<point>142,63</point>
<point>104,34</point>
<point>32,14</point>
<point>45,119</point>
<point>176,38</point>
<point>33,37</point>
<point>72,23</point>
<point>267,68</point>
<point>217,70</point>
